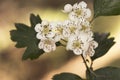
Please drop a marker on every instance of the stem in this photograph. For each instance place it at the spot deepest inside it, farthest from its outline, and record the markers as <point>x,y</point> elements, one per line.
<point>85,62</point>
<point>92,20</point>
<point>63,40</point>
<point>63,45</point>
<point>89,69</point>
<point>91,64</point>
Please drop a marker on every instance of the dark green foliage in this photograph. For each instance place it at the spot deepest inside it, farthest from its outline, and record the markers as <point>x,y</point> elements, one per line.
<point>66,76</point>
<point>104,44</point>
<point>106,8</point>
<point>90,75</point>
<point>107,73</point>
<point>25,36</point>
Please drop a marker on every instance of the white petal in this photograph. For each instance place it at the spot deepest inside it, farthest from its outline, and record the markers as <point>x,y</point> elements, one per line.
<point>83,36</point>
<point>87,13</point>
<point>92,52</point>
<point>86,46</point>
<point>86,23</point>
<point>78,22</point>
<point>52,25</point>
<point>83,4</point>
<point>84,54</point>
<point>75,6</point>
<point>38,27</point>
<point>50,34</point>
<point>67,8</point>
<point>66,33</point>
<point>53,47</point>
<point>72,16</point>
<point>45,22</point>
<point>90,33</point>
<point>47,48</point>
<point>57,38</point>
<point>40,36</point>
<point>72,38</point>
<point>69,46</point>
<point>67,23</point>
<point>41,44</point>
<point>95,44</point>
<point>77,51</point>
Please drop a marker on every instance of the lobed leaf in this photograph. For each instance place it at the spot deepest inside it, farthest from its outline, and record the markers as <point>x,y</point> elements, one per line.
<point>107,73</point>
<point>25,36</point>
<point>106,7</point>
<point>104,44</point>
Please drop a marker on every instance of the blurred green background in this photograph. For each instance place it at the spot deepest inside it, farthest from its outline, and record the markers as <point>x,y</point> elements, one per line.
<point>18,11</point>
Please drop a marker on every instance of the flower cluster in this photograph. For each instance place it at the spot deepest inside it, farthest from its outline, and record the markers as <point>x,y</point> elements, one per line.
<point>75,32</point>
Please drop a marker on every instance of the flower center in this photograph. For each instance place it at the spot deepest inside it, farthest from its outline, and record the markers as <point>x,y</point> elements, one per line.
<point>76,44</point>
<point>46,29</point>
<point>48,42</point>
<point>72,29</point>
<point>78,12</point>
<point>84,28</point>
<point>59,30</point>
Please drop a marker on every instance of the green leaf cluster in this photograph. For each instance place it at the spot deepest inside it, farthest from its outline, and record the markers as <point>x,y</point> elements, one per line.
<point>24,36</point>
<point>104,44</point>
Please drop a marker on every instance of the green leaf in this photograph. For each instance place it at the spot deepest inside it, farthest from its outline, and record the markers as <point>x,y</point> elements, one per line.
<point>106,7</point>
<point>66,76</point>
<point>104,44</point>
<point>25,36</point>
<point>34,20</point>
<point>107,73</point>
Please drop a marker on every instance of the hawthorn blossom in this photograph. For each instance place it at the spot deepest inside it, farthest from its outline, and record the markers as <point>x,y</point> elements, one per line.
<point>82,44</point>
<point>85,26</point>
<point>44,30</point>
<point>47,45</point>
<point>75,44</point>
<point>77,11</point>
<point>91,46</point>
<point>70,28</point>
<point>58,31</point>
<point>75,32</point>
<point>67,8</point>
<point>86,36</point>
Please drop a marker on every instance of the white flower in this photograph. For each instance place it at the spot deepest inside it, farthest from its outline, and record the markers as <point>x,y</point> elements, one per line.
<point>91,46</point>
<point>70,28</point>
<point>58,31</point>
<point>77,11</point>
<point>47,45</point>
<point>85,26</point>
<point>81,10</point>
<point>82,43</point>
<point>75,44</point>
<point>87,13</point>
<point>67,8</point>
<point>45,30</point>
<point>86,36</point>
<point>83,4</point>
